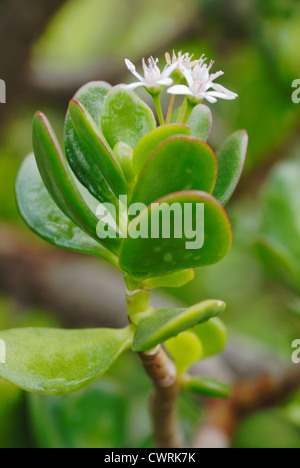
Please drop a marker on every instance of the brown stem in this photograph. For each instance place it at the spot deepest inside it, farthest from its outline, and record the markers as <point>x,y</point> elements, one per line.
<point>162,372</point>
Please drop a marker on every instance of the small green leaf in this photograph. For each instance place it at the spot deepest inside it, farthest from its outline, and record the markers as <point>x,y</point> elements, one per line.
<point>206,387</point>
<point>43,216</point>
<point>174,280</point>
<point>97,148</point>
<point>151,140</point>
<point>213,336</point>
<point>185,350</point>
<point>82,161</point>
<point>55,362</point>
<point>165,324</point>
<point>231,159</point>
<point>180,163</point>
<point>171,251</point>
<point>200,122</point>
<point>125,117</point>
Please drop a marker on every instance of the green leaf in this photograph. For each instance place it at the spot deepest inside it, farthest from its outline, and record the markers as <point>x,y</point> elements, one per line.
<point>213,336</point>
<point>124,155</point>
<point>97,148</point>
<point>95,417</point>
<point>174,280</point>
<point>180,163</point>
<point>43,216</point>
<point>54,362</point>
<point>151,140</point>
<point>185,350</point>
<point>165,324</point>
<point>200,122</point>
<point>151,256</point>
<point>231,159</point>
<point>207,387</point>
<point>125,117</point>
<point>82,161</point>
<point>59,181</point>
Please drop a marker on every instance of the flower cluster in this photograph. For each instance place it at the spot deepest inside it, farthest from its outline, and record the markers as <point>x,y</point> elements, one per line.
<point>200,82</point>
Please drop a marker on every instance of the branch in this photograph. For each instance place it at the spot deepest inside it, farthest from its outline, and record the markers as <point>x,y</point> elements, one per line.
<point>162,372</point>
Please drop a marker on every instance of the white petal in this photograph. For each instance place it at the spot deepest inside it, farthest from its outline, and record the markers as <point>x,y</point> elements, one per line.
<point>216,94</point>
<point>188,76</point>
<point>219,88</point>
<point>132,69</point>
<point>209,98</point>
<point>132,86</point>
<point>165,82</point>
<point>180,89</point>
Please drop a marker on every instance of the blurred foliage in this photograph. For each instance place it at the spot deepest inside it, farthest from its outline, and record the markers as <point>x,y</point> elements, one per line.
<point>256,44</point>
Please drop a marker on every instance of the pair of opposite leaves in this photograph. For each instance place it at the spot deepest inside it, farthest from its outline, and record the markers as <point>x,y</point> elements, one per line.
<point>178,163</point>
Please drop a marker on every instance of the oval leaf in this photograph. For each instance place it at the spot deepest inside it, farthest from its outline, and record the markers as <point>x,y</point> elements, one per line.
<point>178,164</point>
<point>213,336</point>
<point>56,362</point>
<point>151,140</point>
<point>200,122</point>
<point>43,216</point>
<point>164,324</point>
<point>167,248</point>
<point>185,350</point>
<point>207,387</point>
<point>82,161</point>
<point>125,117</point>
<point>59,182</point>
<point>231,159</point>
<point>97,148</point>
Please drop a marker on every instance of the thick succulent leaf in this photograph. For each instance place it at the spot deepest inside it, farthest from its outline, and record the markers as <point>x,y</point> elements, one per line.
<point>185,350</point>
<point>213,336</point>
<point>165,324</point>
<point>43,216</point>
<point>125,117</point>
<point>207,387</point>
<point>200,122</point>
<point>281,208</point>
<point>231,159</point>
<point>83,163</point>
<point>56,362</point>
<point>124,155</point>
<point>97,148</point>
<point>151,140</point>
<point>148,257</point>
<point>59,181</point>
<point>174,280</point>
<point>180,163</point>
<point>279,262</point>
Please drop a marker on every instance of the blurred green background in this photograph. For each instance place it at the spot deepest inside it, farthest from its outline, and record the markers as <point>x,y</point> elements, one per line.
<point>256,44</point>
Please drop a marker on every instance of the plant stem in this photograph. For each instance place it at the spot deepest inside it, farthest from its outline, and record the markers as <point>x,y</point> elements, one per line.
<point>189,107</point>
<point>170,109</point>
<point>162,372</point>
<point>157,103</point>
<point>182,111</point>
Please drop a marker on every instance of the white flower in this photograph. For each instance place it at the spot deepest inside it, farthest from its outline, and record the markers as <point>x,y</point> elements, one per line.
<point>201,84</point>
<point>153,77</point>
<point>183,61</point>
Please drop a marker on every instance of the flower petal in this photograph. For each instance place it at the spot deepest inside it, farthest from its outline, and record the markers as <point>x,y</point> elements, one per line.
<point>132,69</point>
<point>132,86</point>
<point>180,89</point>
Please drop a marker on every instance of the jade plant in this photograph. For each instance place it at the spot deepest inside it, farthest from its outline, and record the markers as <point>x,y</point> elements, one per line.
<point>116,155</point>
